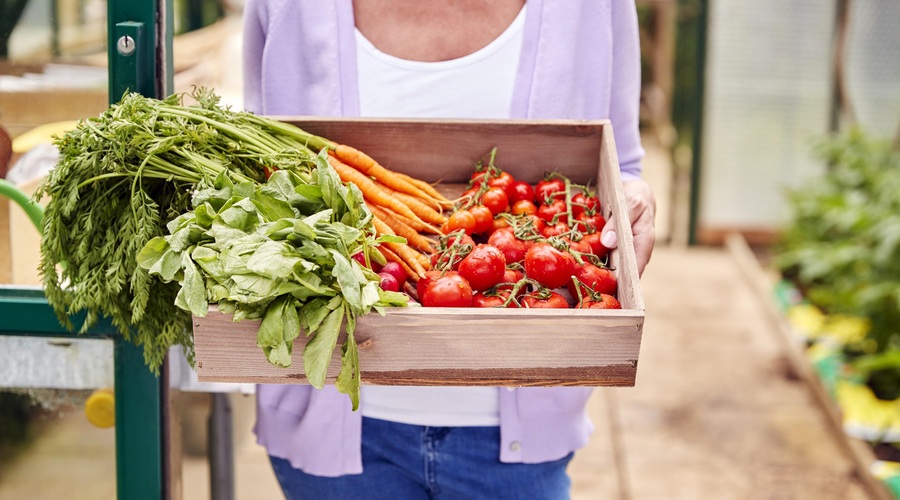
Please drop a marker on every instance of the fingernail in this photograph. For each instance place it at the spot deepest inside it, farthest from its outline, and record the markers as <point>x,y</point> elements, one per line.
<point>609,239</point>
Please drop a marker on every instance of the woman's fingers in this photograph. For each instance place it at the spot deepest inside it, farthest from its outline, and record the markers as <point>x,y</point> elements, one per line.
<point>641,205</point>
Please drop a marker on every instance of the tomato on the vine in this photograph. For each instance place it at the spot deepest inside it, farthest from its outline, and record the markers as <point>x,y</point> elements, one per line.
<point>484,219</point>
<point>513,248</point>
<point>545,299</point>
<point>554,212</point>
<point>521,191</point>
<point>523,207</point>
<point>597,247</point>
<point>589,222</point>
<point>503,181</point>
<point>461,219</point>
<point>549,188</point>
<point>445,290</point>
<point>578,204</point>
<point>599,301</point>
<point>454,246</point>
<point>537,224</point>
<point>494,300</point>
<point>483,267</point>
<point>499,223</point>
<point>510,278</point>
<point>477,178</point>
<point>579,246</point>
<point>557,229</point>
<point>496,200</point>
<point>548,266</point>
<point>597,279</point>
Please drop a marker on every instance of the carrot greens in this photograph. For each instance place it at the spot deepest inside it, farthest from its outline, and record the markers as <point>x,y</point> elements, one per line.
<point>158,209</point>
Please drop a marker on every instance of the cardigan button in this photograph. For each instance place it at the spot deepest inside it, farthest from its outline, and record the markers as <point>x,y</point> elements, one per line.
<point>515,446</point>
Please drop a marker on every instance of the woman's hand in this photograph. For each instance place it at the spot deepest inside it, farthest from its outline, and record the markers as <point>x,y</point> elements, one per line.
<point>641,206</point>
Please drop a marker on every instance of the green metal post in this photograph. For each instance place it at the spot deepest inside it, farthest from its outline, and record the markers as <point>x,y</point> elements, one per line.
<point>697,138</point>
<point>140,48</point>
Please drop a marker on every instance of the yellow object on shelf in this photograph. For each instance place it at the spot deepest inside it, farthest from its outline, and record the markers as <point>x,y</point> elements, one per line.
<point>100,408</point>
<point>41,134</point>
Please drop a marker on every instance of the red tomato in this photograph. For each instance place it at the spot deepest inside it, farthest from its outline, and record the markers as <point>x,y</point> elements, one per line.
<point>484,219</point>
<point>537,224</point>
<point>477,178</point>
<point>579,246</point>
<point>503,181</point>
<point>553,212</point>
<point>542,300</point>
<point>499,223</point>
<point>597,248</point>
<point>462,219</point>
<point>447,290</point>
<point>578,204</point>
<point>468,193</point>
<point>521,191</point>
<point>598,279</point>
<point>512,276</point>
<point>424,281</point>
<point>523,207</point>
<point>604,301</point>
<point>557,229</point>
<point>505,240</point>
<point>456,246</point>
<point>395,270</point>
<point>547,189</point>
<point>482,300</point>
<point>459,239</point>
<point>548,266</point>
<point>496,200</point>
<point>483,267</point>
<point>588,222</point>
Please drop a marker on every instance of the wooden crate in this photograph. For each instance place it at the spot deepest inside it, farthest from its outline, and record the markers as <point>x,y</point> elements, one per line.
<point>469,346</point>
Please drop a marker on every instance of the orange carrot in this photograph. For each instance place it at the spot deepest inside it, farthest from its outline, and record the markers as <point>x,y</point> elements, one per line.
<point>370,190</point>
<point>402,250</point>
<point>424,261</point>
<point>428,188</point>
<point>410,255</point>
<point>418,225</point>
<point>423,212</point>
<point>401,229</point>
<point>367,165</point>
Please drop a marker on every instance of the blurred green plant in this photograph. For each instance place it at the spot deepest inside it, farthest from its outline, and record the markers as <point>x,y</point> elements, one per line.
<point>842,245</point>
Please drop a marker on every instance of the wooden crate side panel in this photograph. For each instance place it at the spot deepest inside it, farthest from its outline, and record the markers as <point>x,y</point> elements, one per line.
<point>447,150</point>
<point>613,199</point>
<point>410,348</point>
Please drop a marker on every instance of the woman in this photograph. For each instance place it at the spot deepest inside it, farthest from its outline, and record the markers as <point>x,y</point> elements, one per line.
<point>574,59</point>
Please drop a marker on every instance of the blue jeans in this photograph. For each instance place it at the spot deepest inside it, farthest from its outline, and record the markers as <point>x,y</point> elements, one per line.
<point>408,462</point>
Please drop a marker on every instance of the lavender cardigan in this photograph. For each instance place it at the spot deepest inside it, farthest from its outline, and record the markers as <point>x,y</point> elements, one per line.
<point>580,60</point>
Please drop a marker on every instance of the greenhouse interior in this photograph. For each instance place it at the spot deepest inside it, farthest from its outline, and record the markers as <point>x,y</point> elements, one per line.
<point>187,186</point>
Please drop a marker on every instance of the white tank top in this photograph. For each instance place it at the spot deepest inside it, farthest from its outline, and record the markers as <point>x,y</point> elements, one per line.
<point>479,85</point>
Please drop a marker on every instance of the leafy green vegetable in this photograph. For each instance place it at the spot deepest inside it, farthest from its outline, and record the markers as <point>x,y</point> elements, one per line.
<point>123,176</point>
<point>268,253</point>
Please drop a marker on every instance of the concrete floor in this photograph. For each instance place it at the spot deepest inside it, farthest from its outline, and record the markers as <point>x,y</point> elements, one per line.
<point>714,414</point>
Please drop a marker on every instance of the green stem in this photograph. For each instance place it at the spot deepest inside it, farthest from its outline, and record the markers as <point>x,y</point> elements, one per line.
<point>230,130</point>
<point>34,211</point>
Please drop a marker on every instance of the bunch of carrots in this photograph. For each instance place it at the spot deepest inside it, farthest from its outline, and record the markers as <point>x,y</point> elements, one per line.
<point>402,205</point>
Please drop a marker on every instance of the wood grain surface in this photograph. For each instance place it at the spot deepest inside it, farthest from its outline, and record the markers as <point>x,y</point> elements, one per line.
<point>466,346</point>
